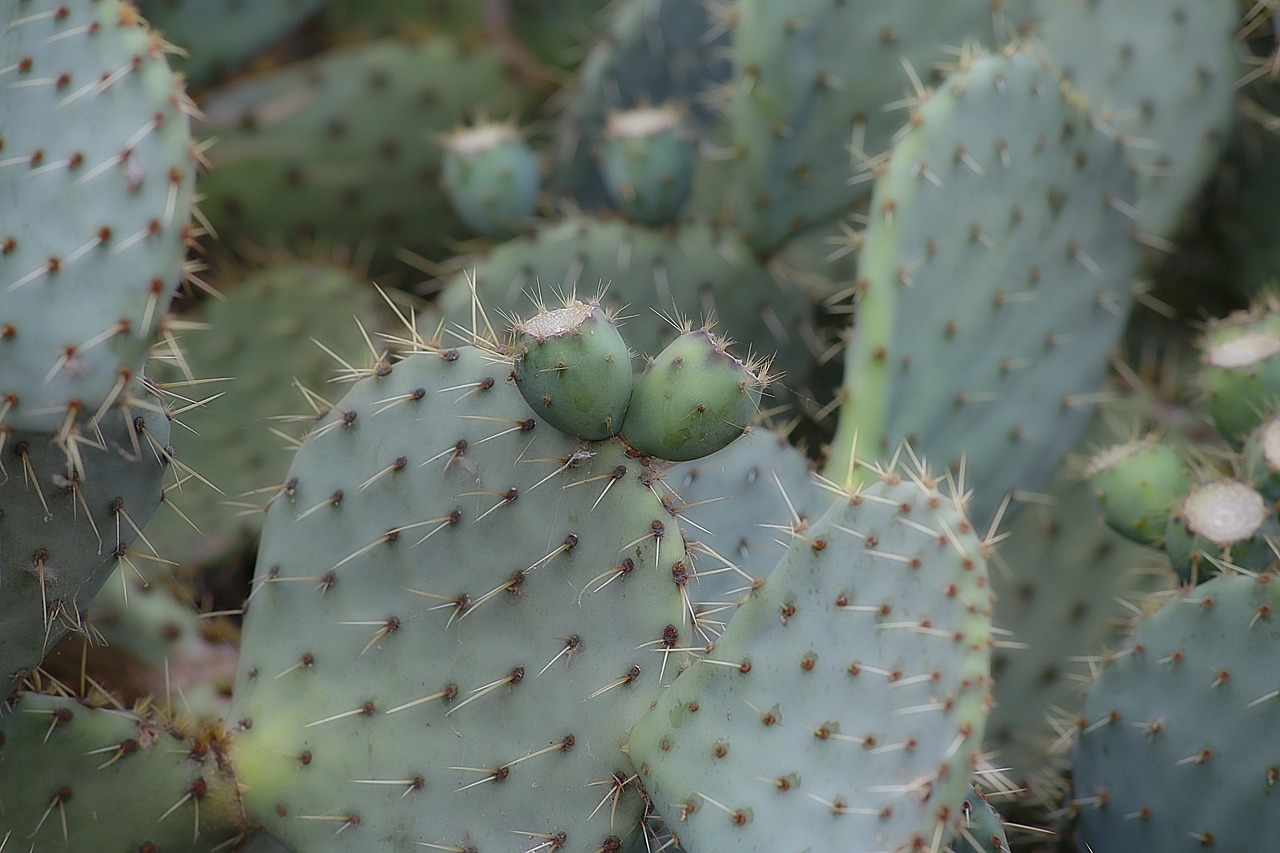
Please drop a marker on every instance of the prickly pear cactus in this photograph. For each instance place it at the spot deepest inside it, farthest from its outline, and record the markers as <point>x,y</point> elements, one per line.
<point>66,525</point>
<point>1173,755</point>
<point>340,148</point>
<point>844,705</point>
<point>814,86</point>
<point>96,181</point>
<point>403,681</point>
<point>1159,74</point>
<point>83,765</point>
<point>253,346</point>
<point>696,271</point>
<point>1001,362</point>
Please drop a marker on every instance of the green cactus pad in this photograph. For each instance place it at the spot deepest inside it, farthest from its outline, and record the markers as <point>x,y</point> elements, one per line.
<point>983,830</point>
<point>731,501</point>
<point>694,271</point>
<point>216,36</point>
<point>65,526</point>
<point>1176,753</point>
<point>458,614</point>
<point>814,83</point>
<point>338,148</point>
<point>1162,75</point>
<point>995,281</point>
<point>81,779</point>
<point>258,342</point>
<point>647,161</point>
<point>693,399</point>
<point>1140,484</point>
<point>492,178</point>
<point>843,706</point>
<point>573,369</point>
<point>96,181</point>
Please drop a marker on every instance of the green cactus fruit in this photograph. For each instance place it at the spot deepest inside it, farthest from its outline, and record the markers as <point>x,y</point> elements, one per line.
<point>1240,369</point>
<point>457,617</point>
<point>1140,484</point>
<point>983,830</point>
<point>814,82</point>
<point>694,270</point>
<point>1220,519</point>
<point>647,161</point>
<point>66,524</point>
<point>1176,754</point>
<point>574,370</point>
<point>995,281</point>
<point>217,36</point>
<point>290,322</point>
<point>338,148</point>
<point>492,178</point>
<point>97,173</point>
<point>693,399</point>
<point>79,778</point>
<point>650,52</point>
<point>1162,73</point>
<point>844,705</point>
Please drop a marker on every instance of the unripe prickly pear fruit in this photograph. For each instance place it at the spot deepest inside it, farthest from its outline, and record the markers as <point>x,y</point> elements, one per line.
<point>1262,458</point>
<point>1240,370</point>
<point>1220,520</point>
<point>492,178</point>
<point>573,369</point>
<point>1139,484</point>
<point>648,163</point>
<point>693,399</point>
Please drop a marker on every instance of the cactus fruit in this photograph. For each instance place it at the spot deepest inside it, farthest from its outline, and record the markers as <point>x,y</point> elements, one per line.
<point>418,662</point>
<point>97,173</point>
<point>1261,455</point>
<point>106,778</point>
<point>647,163</point>
<point>1139,484</point>
<point>573,368</point>
<point>693,399</point>
<point>1000,365</point>
<point>1240,369</point>
<point>1220,519</point>
<point>1172,756</point>
<point>695,270</point>
<point>844,705</point>
<point>491,177</point>
<point>66,525</point>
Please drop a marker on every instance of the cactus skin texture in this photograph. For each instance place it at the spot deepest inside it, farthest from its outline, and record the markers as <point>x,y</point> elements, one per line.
<point>66,526</point>
<point>83,766</point>
<point>96,183</point>
<point>258,340</point>
<point>334,148</point>
<point>1163,72</point>
<point>844,705</point>
<point>999,363</point>
<point>812,77</point>
<point>1175,755</point>
<point>557,647</point>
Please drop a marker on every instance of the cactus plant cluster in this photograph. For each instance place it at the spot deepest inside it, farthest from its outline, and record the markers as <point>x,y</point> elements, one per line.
<point>500,426</point>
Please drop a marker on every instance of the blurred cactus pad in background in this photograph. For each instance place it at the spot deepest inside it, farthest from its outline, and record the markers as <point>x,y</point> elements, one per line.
<point>613,426</point>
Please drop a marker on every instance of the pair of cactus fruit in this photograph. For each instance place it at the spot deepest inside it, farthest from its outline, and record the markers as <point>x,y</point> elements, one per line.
<point>574,369</point>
